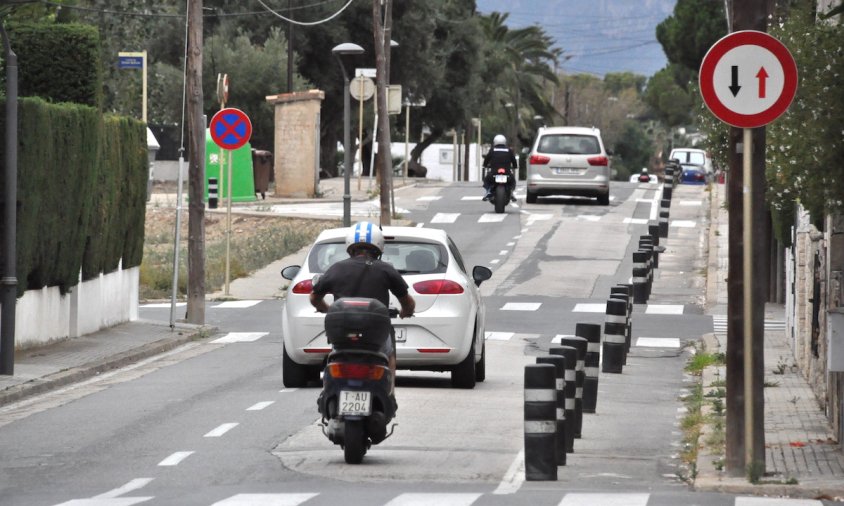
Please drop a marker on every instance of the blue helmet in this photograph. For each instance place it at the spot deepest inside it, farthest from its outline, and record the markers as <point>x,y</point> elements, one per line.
<point>365,233</point>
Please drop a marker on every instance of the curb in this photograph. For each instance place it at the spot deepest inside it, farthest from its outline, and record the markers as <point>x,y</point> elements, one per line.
<point>186,333</point>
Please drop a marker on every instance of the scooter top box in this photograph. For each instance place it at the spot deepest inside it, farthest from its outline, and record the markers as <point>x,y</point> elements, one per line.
<point>357,321</point>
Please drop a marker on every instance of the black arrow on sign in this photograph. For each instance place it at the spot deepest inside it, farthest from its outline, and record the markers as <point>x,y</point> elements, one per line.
<point>735,86</point>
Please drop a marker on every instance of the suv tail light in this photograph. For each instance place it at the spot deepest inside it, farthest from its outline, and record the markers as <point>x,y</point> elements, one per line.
<point>304,287</point>
<point>539,159</point>
<point>437,287</point>
<point>598,160</point>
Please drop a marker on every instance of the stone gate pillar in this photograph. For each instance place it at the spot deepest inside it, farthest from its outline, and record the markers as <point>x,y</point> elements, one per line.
<point>296,146</point>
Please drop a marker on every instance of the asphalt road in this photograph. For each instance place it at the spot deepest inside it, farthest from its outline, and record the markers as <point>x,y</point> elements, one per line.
<point>210,423</point>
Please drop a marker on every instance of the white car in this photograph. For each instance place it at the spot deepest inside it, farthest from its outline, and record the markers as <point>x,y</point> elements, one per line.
<point>446,332</point>
<point>695,156</point>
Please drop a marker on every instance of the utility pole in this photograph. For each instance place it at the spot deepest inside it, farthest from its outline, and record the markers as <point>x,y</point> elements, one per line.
<point>745,403</point>
<point>196,168</point>
<point>382,58</point>
<point>289,49</point>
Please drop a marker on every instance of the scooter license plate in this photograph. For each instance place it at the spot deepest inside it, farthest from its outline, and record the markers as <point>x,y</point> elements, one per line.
<point>501,178</point>
<point>355,403</point>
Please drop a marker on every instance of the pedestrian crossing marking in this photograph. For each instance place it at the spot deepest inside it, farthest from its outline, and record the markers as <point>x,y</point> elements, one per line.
<point>175,459</point>
<point>636,221</point>
<point>434,498</point>
<point>674,309</point>
<point>605,499</point>
<point>445,217</point>
<point>691,203</point>
<point>428,198</point>
<point>471,197</point>
<point>588,217</point>
<point>265,500</point>
<point>521,306</point>
<point>499,336</point>
<point>684,223</point>
<point>492,218</point>
<point>237,304</point>
<point>590,308</point>
<point>658,342</point>
<point>775,501</point>
<point>239,337</point>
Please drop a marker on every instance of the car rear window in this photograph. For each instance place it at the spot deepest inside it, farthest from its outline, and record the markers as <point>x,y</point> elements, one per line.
<point>406,256</point>
<point>569,144</point>
<point>695,157</point>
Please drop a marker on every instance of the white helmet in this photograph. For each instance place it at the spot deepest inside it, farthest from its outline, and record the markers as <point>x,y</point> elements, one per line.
<point>365,233</point>
<point>499,140</point>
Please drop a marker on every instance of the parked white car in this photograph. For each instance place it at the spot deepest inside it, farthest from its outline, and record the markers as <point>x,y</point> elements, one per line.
<point>445,334</point>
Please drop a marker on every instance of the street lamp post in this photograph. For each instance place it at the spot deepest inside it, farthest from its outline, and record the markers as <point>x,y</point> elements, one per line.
<point>347,48</point>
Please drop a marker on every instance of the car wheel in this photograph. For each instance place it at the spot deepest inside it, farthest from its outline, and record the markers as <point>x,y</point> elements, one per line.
<point>530,198</point>
<point>480,367</point>
<point>463,374</point>
<point>293,375</point>
<point>604,200</point>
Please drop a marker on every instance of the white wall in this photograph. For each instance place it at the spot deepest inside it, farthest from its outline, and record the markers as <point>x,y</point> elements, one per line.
<point>438,158</point>
<point>45,315</point>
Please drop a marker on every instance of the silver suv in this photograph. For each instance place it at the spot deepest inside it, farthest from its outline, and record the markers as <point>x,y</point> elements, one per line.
<point>568,161</point>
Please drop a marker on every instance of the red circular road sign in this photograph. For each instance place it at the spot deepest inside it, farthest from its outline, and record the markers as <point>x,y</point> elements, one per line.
<point>230,128</point>
<point>748,79</point>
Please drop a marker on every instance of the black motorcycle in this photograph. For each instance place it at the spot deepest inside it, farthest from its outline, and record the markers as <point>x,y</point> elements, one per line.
<point>355,403</point>
<point>501,189</point>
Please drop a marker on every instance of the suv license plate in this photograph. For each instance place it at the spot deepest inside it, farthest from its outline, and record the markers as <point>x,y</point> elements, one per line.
<point>565,171</point>
<point>401,335</point>
<point>355,403</point>
<point>500,178</point>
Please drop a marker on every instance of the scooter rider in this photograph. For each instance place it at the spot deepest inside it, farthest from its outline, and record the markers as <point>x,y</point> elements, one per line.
<point>500,156</point>
<point>364,274</point>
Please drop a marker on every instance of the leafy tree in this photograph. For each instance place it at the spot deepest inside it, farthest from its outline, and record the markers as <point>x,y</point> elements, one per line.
<point>670,101</point>
<point>688,34</point>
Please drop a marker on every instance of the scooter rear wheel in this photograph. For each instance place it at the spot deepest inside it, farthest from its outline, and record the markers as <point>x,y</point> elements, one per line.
<point>354,441</point>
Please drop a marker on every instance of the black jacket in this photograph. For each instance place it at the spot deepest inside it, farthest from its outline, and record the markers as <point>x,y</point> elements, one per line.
<point>500,156</point>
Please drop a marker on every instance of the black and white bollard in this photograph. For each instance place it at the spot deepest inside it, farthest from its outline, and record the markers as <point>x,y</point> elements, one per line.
<point>646,246</point>
<point>668,183</point>
<point>649,242</point>
<point>540,422</point>
<point>579,344</point>
<point>623,293</point>
<point>592,333</point>
<point>570,354</point>
<point>212,193</point>
<point>559,364</point>
<point>614,347</point>
<point>640,277</point>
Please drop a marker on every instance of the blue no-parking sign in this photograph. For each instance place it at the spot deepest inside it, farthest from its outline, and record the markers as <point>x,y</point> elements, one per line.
<point>230,128</point>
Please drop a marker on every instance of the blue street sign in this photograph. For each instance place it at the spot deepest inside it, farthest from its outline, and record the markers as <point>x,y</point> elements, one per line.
<point>130,62</point>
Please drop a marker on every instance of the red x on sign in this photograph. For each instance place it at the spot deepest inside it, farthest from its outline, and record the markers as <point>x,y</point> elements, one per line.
<point>230,128</point>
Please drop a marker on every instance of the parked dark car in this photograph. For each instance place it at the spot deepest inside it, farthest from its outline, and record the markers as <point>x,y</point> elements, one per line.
<point>693,174</point>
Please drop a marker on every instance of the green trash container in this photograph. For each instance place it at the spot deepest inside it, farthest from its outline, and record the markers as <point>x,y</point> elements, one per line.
<point>243,188</point>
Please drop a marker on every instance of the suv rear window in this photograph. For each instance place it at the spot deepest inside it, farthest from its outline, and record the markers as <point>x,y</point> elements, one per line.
<point>568,144</point>
<point>695,157</point>
<point>406,257</point>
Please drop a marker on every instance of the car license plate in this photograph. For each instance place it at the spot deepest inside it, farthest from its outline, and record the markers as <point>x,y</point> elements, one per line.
<point>355,403</point>
<point>501,178</point>
<point>401,335</point>
<point>565,171</point>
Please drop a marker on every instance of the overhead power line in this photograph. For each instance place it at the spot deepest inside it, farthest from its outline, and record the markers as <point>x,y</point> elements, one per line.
<point>302,23</point>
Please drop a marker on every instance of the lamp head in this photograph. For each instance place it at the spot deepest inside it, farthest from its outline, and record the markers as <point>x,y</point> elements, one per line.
<point>347,48</point>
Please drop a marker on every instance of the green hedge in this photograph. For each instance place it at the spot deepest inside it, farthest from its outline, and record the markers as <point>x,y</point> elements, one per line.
<point>81,193</point>
<point>57,62</point>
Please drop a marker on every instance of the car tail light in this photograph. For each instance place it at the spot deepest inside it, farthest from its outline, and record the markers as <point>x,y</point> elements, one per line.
<point>598,160</point>
<point>437,287</point>
<point>347,370</point>
<point>305,287</point>
<point>699,176</point>
<point>539,159</point>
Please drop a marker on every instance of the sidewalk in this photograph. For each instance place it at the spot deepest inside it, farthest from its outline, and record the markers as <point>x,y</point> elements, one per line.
<point>800,446</point>
<point>39,370</point>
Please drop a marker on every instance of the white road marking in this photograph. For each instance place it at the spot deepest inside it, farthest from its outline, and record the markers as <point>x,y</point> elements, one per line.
<point>588,217</point>
<point>239,337</point>
<point>514,477</point>
<point>492,218</point>
<point>265,500</point>
<point>163,304</point>
<point>503,252</point>
<point>691,202</point>
<point>428,198</point>
<point>499,336</point>
<point>775,501</point>
<point>684,223</point>
<point>559,338</point>
<point>221,429</point>
<point>521,306</point>
<point>494,261</point>
<point>644,201</point>
<point>590,308</point>
<point>658,342</point>
<point>175,459</point>
<point>517,236</point>
<point>636,221</point>
<point>537,217</point>
<point>133,485</point>
<point>438,499</point>
<point>420,225</point>
<point>511,244</point>
<point>445,217</point>
<point>286,390</point>
<point>116,501</point>
<point>472,197</point>
<point>237,304</point>
<point>605,499</point>
<point>676,309</point>
<point>260,405</point>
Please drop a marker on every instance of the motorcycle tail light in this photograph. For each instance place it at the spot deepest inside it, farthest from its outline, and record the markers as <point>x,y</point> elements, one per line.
<point>539,159</point>
<point>502,171</point>
<point>304,287</point>
<point>598,160</point>
<point>346,370</point>
<point>437,287</point>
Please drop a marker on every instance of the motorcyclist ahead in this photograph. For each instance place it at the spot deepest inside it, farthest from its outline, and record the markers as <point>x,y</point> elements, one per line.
<point>500,156</point>
<point>644,177</point>
<point>364,274</point>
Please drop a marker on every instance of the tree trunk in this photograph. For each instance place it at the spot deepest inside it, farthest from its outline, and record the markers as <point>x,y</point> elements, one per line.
<point>196,168</point>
